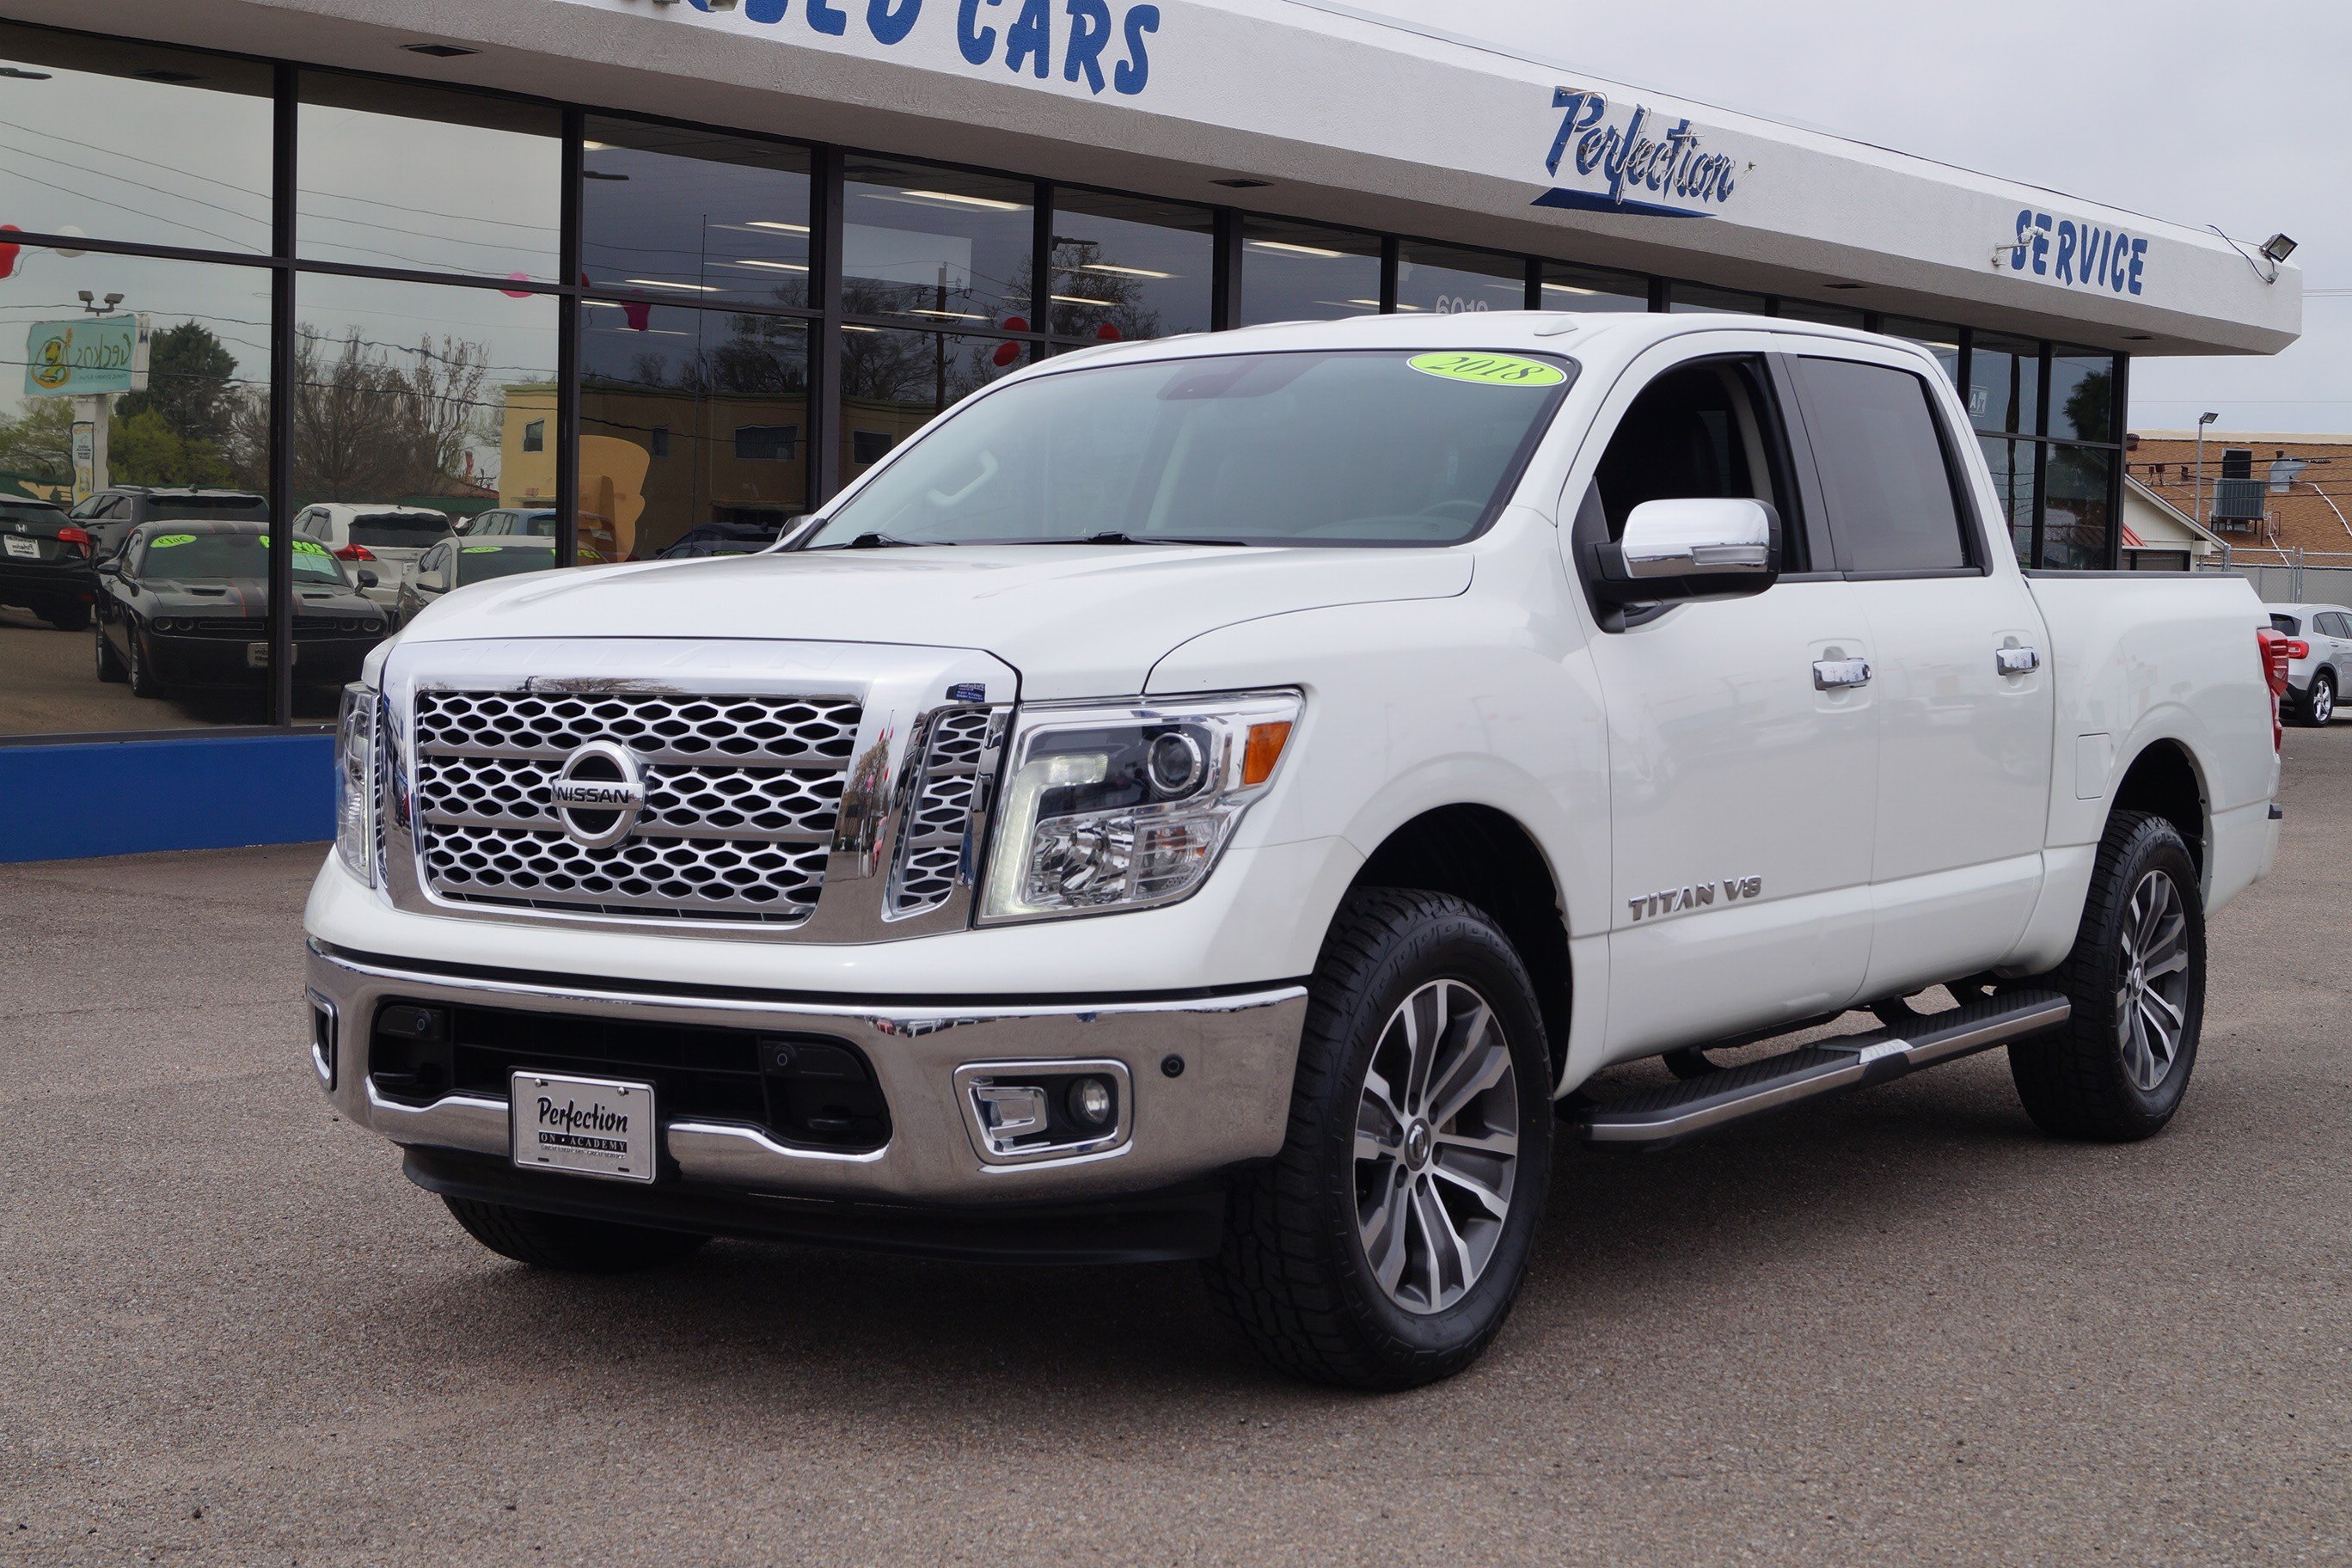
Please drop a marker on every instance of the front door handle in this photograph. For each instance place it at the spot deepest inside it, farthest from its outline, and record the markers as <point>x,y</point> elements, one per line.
<point>2014,660</point>
<point>1837,674</point>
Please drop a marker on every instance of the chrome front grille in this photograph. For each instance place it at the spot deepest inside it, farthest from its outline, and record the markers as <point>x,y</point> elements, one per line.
<point>742,793</point>
<point>934,847</point>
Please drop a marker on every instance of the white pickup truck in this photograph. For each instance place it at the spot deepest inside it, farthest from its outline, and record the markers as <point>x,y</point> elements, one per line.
<point>1228,797</point>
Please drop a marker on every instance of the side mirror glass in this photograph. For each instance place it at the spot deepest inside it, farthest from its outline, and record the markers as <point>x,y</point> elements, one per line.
<point>365,578</point>
<point>1700,548</point>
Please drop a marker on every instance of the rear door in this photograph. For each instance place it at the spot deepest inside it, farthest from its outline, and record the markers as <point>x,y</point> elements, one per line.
<point>1742,781</point>
<point>1961,670</point>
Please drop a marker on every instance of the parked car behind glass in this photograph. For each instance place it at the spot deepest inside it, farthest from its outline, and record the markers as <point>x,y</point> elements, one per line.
<point>109,515</point>
<point>2319,658</point>
<point>183,605</point>
<point>44,563</point>
<point>455,563</point>
<point>387,540</point>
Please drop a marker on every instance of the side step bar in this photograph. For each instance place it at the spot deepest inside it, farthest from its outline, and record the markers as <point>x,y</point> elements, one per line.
<point>1659,1118</point>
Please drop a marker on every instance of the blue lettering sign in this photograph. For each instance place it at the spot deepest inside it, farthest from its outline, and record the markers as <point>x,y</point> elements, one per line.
<point>1089,54</point>
<point>1636,167</point>
<point>2088,256</point>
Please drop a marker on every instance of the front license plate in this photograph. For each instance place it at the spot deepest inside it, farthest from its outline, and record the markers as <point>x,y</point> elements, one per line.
<point>22,549</point>
<point>583,1126</point>
<point>256,656</point>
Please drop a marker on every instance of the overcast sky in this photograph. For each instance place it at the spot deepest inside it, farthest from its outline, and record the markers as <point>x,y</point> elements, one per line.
<point>2197,113</point>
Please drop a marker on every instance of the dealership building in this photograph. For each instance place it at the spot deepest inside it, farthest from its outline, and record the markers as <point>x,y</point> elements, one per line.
<point>656,277</point>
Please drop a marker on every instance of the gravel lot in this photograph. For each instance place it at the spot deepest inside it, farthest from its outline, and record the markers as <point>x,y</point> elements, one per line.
<point>1902,1328</point>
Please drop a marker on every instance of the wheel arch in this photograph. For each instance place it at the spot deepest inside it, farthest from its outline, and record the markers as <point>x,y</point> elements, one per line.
<point>1487,857</point>
<point>2165,781</point>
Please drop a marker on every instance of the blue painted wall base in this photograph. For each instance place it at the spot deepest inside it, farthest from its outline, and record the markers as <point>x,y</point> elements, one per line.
<point>196,792</point>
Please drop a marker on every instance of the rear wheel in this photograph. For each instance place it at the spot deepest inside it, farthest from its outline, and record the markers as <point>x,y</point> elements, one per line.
<point>2318,705</point>
<point>1385,1244</point>
<point>573,1246</point>
<point>2118,1067</point>
<point>109,663</point>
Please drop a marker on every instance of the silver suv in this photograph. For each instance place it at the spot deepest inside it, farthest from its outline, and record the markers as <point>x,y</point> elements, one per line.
<point>2320,657</point>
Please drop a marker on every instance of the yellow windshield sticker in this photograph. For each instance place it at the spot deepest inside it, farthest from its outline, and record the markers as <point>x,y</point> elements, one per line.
<point>481,550</point>
<point>1489,370</point>
<point>303,547</point>
<point>165,541</point>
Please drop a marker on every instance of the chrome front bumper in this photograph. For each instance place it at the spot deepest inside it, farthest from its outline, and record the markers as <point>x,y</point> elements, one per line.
<point>1230,1104</point>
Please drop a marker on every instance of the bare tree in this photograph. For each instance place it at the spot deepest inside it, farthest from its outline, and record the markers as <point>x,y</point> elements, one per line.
<point>374,421</point>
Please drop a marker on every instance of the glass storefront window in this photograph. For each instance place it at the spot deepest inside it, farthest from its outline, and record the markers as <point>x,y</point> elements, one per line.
<point>694,430</point>
<point>1304,272</point>
<point>1443,279</point>
<point>2014,465</point>
<point>127,142</point>
<point>1125,268</point>
<point>1821,312</point>
<point>1568,286</point>
<point>693,216</point>
<point>1696,297</point>
<point>2005,383</point>
<point>893,381</point>
<point>412,405</point>
<point>93,640</point>
<point>1938,339</point>
<point>939,246</point>
<point>2077,507</point>
<point>396,175</point>
<point>2083,396</point>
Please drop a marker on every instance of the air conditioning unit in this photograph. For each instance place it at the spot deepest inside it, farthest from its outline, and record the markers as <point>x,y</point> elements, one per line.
<point>2239,501</point>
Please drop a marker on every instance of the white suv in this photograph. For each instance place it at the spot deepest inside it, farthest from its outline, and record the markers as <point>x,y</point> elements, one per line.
<point>387,539</point>
<point>2319,658</point>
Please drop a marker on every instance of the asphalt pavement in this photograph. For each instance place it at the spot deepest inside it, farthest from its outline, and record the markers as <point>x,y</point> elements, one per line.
<point>1901,1328</point>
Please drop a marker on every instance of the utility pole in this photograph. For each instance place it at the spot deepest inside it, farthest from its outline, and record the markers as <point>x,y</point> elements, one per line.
<point>2197,497</point>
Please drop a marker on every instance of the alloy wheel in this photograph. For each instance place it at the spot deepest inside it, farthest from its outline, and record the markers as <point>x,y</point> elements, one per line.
<point>2152,990</point>
<point>1437,1146</point>
<point>2323,702</point>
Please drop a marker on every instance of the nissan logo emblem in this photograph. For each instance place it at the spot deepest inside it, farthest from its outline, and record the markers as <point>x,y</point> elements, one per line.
<point>599,795</point>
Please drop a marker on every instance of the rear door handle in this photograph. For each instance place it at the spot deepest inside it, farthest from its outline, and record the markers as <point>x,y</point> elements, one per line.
<point>1835,674</point>
<point>2016,660</point>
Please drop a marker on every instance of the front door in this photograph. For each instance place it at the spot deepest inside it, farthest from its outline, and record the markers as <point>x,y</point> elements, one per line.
<point>1743,767</point>
<point>1963,676</point>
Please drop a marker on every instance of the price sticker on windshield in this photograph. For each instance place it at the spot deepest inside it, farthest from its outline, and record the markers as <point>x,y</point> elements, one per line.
<point>1489,370</point>
<point>166,541</point>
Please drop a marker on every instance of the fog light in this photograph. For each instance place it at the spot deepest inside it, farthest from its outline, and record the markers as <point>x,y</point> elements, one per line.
<point>1091,1102</point>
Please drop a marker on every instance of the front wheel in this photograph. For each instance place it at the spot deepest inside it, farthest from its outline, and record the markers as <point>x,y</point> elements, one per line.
<point>109,663</point>
<point>2116,1070</point>
<point>1384,1245</point>
<point>142,674</point>
<point>573,1246</point>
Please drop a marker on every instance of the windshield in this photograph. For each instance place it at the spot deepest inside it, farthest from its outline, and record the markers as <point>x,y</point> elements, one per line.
<point>480,562</point>
<point>1355,447</point>
<point>219,557</point>
<point>399,531</point>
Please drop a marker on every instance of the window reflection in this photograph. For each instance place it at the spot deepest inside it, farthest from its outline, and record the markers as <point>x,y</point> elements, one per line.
<point>938,245</point>
<point>892,382</point>
<point>1443,279</point>
<point>2005,383</point>
<point>1826,314</point>
<point>694,215</point>
<point>2015,466</point>
<point>694,430</point>
<point>1125,268</point>
<point>131,143</point>
<point>2077,507</point>
<point>2082,395</point>
<point>1699,298</point>
<point>89,463</point>
<point>396,175</point>
<point>1568,286</point>
<point>1938,339</point>
<point>1305,272</point>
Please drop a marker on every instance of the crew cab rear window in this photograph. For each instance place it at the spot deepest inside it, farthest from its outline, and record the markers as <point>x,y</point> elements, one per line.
<point>1886,480</point>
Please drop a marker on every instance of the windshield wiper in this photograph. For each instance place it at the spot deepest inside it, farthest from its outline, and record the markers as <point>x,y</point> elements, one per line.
<point>886,541</point>
<point>1116,537</point>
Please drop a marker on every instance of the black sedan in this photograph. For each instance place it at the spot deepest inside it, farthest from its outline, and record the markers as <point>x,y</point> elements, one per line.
<point>455,563</point>
<point>182,607</point>
<point>44,563</point>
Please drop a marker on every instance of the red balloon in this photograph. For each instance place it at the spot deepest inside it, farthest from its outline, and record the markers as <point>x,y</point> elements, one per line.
<point>1107,334</point>
<point>8,252</point>
<point>1007,354</point>
<point>1016,323</point>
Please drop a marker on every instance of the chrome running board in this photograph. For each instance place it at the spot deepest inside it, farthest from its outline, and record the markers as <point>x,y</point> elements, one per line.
<point>1659,1118</point>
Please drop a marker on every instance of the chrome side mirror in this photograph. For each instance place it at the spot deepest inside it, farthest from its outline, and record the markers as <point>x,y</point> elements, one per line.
<point>1698,548</point>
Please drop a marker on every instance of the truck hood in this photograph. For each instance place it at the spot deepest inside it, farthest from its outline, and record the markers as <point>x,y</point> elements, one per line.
<point>1075,620</point>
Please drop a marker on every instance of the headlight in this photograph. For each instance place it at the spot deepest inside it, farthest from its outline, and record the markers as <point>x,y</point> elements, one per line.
<point>1126,805</point>
<point>355,781</point>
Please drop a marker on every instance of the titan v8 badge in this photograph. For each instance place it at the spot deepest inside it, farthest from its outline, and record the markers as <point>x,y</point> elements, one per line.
<point>1698,896</point>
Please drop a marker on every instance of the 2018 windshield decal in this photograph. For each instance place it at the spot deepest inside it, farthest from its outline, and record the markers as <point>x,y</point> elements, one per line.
<point>1088,41</point>
<point>1633,158</point>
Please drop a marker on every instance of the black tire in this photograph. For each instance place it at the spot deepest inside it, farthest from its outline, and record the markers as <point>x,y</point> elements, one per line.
<point>142,677</point>
<point>2317,705</point>
<point>1294,1273</point>
<point>2078,1081</point>
<point>573,1246</point>
<point>109,663</point>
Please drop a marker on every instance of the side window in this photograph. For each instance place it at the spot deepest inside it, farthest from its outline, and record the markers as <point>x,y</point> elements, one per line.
<point>2333,624</point>
<point>1886,476</point>
<point>1702,430</point>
